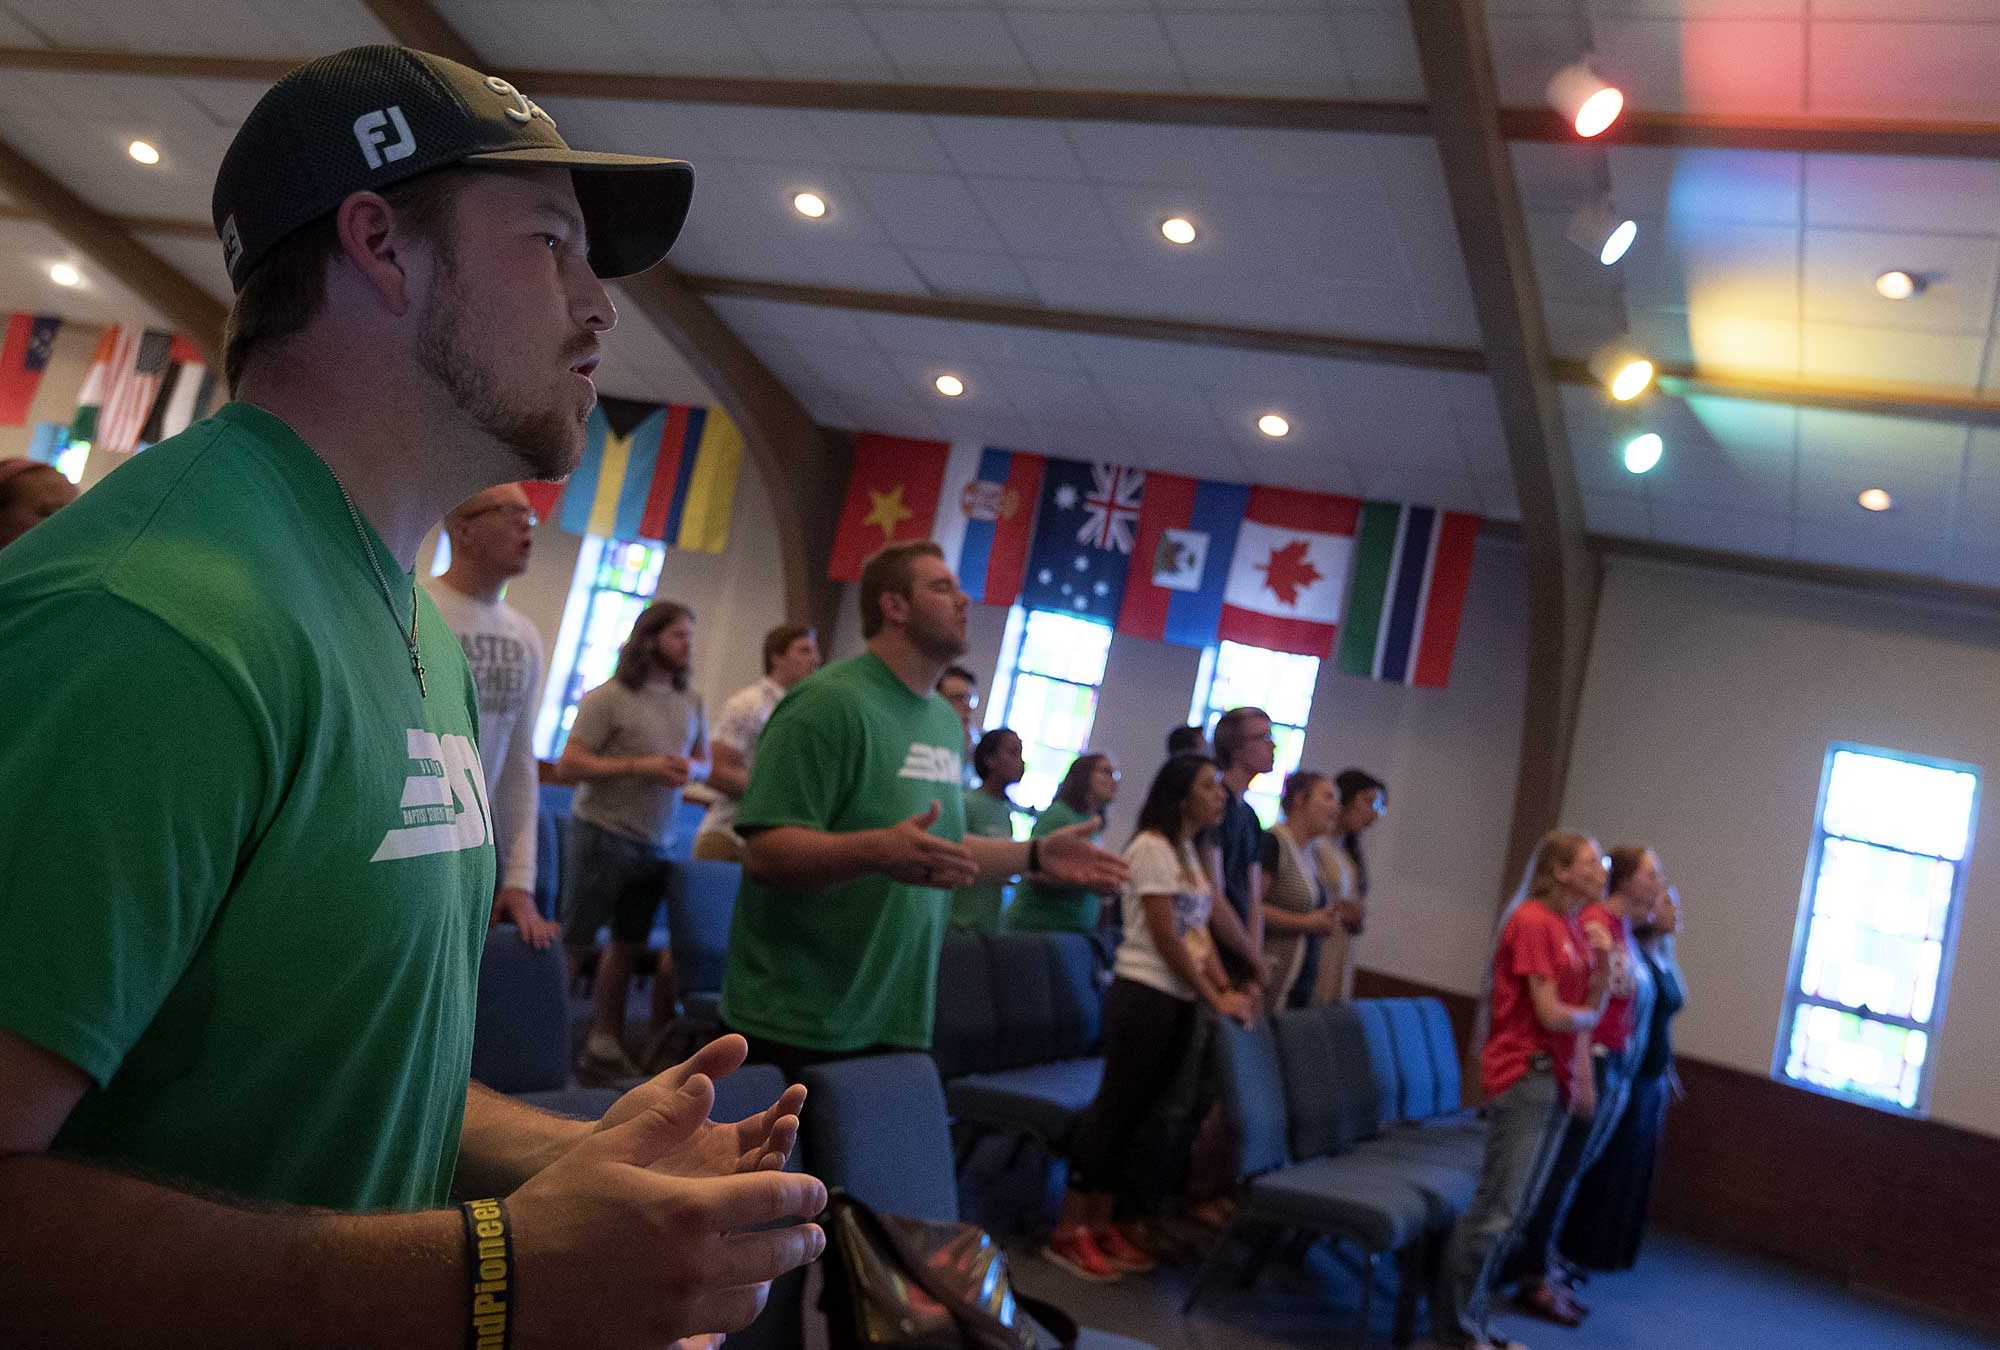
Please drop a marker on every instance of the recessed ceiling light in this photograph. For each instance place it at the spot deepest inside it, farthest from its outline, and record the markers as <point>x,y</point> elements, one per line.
<point>1875,499</point>
<point>1178,230</point>
<point>1899,285</point>
<point>1273,425</point>
<point>1588,102</point>
<point>810,205</point>
<point>1643,452</point>
<point>62,274</point>
<point>1623,371</point>
<point>950,386</point>
<point>1603,233</point>
<point>143,151</point>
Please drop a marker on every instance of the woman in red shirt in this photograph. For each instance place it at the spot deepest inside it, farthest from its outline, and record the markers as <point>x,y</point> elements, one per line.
<point>1546,990</point>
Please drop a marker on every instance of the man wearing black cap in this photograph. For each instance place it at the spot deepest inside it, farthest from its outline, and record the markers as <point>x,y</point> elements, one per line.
<point>248,850</point>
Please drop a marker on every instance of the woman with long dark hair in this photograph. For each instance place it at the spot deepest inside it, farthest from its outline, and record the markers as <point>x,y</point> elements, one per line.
<point>1608,1221</point>
<point>998,764</point>
<point>1547,994</point>
<point>1085,791</point>
<point>1165,970</point>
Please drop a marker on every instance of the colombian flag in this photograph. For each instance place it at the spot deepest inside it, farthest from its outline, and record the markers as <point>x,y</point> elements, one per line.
<point>654,472</point>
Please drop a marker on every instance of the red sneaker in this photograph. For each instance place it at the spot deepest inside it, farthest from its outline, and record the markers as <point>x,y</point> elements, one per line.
<point>1121,1251</point>
<point>1076,1251</point>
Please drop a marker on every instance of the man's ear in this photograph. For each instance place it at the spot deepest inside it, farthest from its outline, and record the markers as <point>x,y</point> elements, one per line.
<point>364,229</point>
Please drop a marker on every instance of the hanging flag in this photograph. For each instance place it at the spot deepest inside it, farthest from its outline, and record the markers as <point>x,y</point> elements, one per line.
<point>111,352</point>
<point>1411,567</point>
<point>543,497</point>
<point>180,396</point>
<point>1085,528</point>
<point>694,480</point>
<point>1288,574</point>
<point>24,355</point>
<point>134,386</point>
<point>607,494</point>
<point>892,496</point>
<point>986,517</point>
<point>1181,558</point>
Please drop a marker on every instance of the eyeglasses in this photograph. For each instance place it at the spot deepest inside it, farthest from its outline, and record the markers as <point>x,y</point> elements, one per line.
<point>527,513</point>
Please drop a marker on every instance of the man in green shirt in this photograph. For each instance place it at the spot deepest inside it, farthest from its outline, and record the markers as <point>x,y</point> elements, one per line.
<point>248,850</point>
<point>855,822</point>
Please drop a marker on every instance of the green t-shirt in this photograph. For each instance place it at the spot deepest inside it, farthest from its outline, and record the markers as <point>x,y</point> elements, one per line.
<point>854,965</point>
<point>978,906</point>
<point>1060,909</point>
<point>247,869</point>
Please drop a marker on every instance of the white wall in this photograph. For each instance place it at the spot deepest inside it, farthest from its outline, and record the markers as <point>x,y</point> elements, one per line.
<point>1709,705</point>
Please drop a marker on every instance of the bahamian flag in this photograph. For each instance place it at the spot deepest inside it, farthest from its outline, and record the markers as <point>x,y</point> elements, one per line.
<point>665,473</point>
<point>1406,593</point>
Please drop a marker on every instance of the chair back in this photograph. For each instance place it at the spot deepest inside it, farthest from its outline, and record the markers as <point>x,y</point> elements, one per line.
<point>1252,1084</point>
<point>520,1030</point>
<point>877,1127</point>
<point>701,904</point>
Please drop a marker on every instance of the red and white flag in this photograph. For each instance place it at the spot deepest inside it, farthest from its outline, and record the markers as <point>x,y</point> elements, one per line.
<point>135,383</point>
<point>1288,577</point>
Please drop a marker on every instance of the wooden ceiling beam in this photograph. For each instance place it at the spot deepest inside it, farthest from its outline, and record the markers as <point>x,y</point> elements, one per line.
<point>803,469</point>
<point>110,245</point>
<point>1813,135</point>
<point>1563,573</point>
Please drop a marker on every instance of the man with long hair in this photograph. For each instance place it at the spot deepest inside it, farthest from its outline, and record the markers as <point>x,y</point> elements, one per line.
<point>638,739</point>
<point>238,981</point>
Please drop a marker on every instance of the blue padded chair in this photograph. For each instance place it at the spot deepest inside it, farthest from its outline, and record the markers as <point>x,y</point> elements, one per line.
<point>1377,1211</point>
<point>967,1026</point>
<point>1041,1070</point>
<point>699,912</point>
<point>520,1036</point>
<point>557,797</point>
<point>548,862</point>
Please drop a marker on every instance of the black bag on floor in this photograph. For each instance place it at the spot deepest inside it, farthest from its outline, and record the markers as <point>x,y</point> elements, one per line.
<point>894,1283</point>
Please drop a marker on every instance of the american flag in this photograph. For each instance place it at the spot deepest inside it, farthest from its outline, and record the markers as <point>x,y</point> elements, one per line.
<point>1111,510</point>
<point>133,389</point>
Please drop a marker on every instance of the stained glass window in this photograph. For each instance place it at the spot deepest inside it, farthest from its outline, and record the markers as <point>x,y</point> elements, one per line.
<point>1046,690</point>
<point>1233,675</point>
<point>615,580</point>
<point>1872,953</point>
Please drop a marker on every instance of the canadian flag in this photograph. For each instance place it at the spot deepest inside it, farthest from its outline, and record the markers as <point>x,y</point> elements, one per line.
<point>1288,576</point>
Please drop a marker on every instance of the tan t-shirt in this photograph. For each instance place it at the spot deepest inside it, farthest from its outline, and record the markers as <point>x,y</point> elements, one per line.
<point>656,719</point>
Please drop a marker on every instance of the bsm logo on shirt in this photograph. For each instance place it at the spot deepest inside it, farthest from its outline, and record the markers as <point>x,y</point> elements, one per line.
<point>444,807</point>
<point>932,764</point>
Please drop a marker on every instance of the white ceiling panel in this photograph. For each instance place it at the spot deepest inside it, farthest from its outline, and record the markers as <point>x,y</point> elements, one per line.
<point>927,210</point>
<point>565,34</point>
<point>951,46</point>
<point>1841,455</point>
<point>1496,497</point>
<point>1978,564</point>
<point>1907,69</point>
<point>1296,55</point>
<point>200,260</point>
<point>27,251</point>
<point>1978,516</point>
<point>1841,267</point>
<point>981,276</point>
<point>1006,147</point>
<point>1381,53</point>
<point>1732,65</point>
<point>822,42</point>
<point>1878,192</point>
<point>682,39</point>
<point>639,363</point>
<point>1098,50</point>
<point>1619,513</point>
<point>1444,486</point>
<point>1883,543</point>
<point>1742,269</point>
<point>859,140</point>
<point>1738,187</point>
<point>1879,356</point>
<point>1045,220</point>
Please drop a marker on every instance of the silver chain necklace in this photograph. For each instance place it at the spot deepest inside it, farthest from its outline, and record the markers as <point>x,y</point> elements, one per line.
<point>368,551</point>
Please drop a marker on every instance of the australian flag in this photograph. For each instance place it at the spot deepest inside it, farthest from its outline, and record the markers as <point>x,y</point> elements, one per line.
<point>1084,533</point>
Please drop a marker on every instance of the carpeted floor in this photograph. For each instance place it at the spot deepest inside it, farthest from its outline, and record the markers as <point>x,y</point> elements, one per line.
<point>1683,1295</point>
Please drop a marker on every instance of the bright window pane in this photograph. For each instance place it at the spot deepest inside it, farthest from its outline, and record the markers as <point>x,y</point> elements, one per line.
<point>1916,807</point>
<point>1051,697</point>
<point>1873,948</point>
<point>1280,683</point>
<point>623,585</point>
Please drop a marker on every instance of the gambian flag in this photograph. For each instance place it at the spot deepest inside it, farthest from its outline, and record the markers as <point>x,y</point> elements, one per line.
<point>892,496</point>
<point>985,518</point>
<point>663,473</point>
<point>1411,565</point>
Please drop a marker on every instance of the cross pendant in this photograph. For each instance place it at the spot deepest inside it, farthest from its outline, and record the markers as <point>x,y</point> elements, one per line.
<point>417,669</point>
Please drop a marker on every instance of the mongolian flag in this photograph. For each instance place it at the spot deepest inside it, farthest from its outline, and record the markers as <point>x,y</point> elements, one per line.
<point>1411,568</point>
<point>892,496</point>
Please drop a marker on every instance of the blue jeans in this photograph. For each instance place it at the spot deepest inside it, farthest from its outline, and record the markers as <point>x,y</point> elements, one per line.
<point>1523,1130</point>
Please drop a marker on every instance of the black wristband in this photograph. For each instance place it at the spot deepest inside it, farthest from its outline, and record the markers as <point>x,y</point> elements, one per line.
<point>489,1260</point>
<point>1034,855</point>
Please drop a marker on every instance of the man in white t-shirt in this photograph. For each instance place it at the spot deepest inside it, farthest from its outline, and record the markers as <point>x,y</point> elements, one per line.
<point>791,652</point>
<point>492,535</point>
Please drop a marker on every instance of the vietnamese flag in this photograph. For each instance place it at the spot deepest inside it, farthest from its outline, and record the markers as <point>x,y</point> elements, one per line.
<point>892,496</point>
<point>1181,559</point>
<point>1288,579</point>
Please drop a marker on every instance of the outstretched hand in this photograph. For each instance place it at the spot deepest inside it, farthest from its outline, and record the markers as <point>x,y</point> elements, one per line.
<point>759,1143</point>
<point>910,853</point>
<point>1069,858</point>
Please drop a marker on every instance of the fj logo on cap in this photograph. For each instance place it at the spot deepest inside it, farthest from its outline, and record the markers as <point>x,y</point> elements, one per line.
<point>232,244</point>
<point>371,132</point>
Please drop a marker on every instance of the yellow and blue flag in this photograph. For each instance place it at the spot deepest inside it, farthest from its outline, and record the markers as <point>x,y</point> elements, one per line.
<point>665,473</point>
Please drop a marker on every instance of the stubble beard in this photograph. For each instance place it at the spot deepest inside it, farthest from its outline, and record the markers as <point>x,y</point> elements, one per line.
<point>545,442</point>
